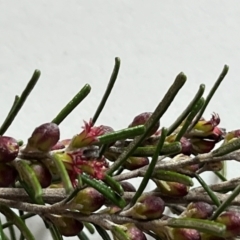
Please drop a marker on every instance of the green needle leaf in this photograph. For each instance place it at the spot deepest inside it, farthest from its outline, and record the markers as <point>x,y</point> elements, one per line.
<point>189,119</point>
<point>2,236</point>
<point>209,96</point>
<point>148,151</point>
<point>104,190</point>
<point>220,176</point>
<point>226,203</point>
<point>157,114</point>
<point>30,180</point>
<point>227,148</point>
<point>72,104</point>
<point>122,134</point>
<point>187,110</point>
<point>82,236</point>
<point>205,226</point>
<point>150,169</point>
<point>102,232</point>
<point>108,90</point>
<point>172,177</point>
<point>18,103</point>
<point>89,227</point>
<point>115,186</point>
<point>63,173</point>
<point>208,190</point>
<point>119,233</point>
<point>13,217</point>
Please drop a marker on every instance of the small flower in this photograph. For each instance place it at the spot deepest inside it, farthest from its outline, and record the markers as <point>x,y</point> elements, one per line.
<point>207,129</point>
<point>76,163</point>
<point>88,136</point>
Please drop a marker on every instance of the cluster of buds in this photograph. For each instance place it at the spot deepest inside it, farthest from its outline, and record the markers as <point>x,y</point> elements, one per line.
<point>81,155</point>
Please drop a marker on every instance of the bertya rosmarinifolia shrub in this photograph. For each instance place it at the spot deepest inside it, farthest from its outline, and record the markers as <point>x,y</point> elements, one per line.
<point>83,184</point>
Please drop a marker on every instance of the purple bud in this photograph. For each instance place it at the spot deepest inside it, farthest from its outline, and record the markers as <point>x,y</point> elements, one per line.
<point>87,200</point>
<point>141,119</point>
<point>200,210</point>
<point>8,175</point>
<point>134,233</point>
<point>133,163</point>
<point>146,207</point>
<point>127,186</point>
<point>43,175</point>
<point>185,234</point>
<point>8,149</point>
<point>200,146</point>
<point>43,137</point>
<point>186,146</point>
<point>173,189</point>
<point>232,223</point>
<point>69,226</point>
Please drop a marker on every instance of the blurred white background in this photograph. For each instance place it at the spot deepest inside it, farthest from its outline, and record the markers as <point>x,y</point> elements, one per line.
<point>75,42</point>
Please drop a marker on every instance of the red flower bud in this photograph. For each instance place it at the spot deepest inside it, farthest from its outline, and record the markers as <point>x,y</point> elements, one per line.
<point>199,210</point>
<point>43,138</point>
<point>134,233</point>
<point>232,223</point>
<point>127,186</point>
<point>186,146</point>
<point>133,163</point>
<point>141,119</point>
<point>8,175</point>
<point>185,234</point>
<point>202,145</point>
<point>8,149</point>
<point>87,200</point>
<point>67,226</point>
<point>146,207</point>
<point>173,189</point>
<point>42,173</point>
